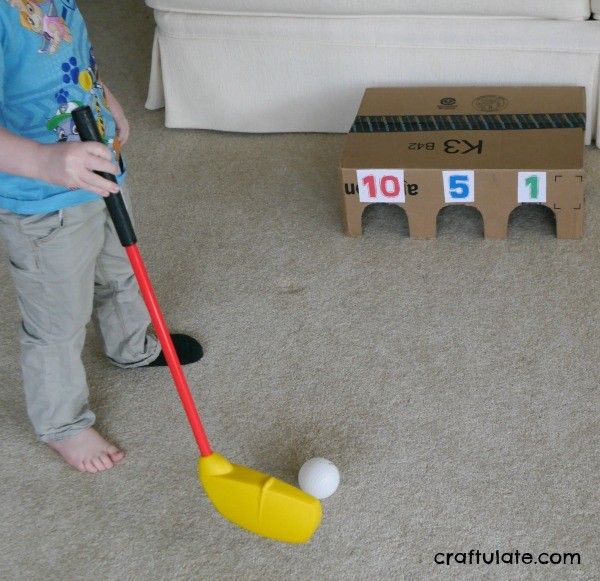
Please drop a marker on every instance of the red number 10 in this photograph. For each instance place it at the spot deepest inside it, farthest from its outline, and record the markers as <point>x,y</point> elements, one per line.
<point>389,186</point>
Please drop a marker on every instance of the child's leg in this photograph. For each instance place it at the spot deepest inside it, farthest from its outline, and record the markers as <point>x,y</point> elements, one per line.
<point>53,258</point>
<point>119,309</point>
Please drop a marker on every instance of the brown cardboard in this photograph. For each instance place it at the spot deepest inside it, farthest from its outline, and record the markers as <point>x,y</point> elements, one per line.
<point>496,132</point>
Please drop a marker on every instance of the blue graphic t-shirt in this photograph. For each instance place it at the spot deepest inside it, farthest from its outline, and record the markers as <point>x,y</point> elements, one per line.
<point>47,69</point>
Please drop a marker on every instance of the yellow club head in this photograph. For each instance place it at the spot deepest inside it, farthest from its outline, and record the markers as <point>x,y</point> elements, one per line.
<point>258,502</point>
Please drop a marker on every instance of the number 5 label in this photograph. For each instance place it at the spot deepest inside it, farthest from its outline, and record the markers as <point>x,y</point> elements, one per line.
<point>459,186</point>
<point>531,187</point>
<point>381,186</point>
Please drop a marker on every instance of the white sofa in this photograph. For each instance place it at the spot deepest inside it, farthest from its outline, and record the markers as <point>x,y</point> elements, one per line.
<point>302,65</point>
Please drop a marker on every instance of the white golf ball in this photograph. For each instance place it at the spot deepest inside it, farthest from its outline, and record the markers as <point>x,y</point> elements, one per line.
<point>319,477</point>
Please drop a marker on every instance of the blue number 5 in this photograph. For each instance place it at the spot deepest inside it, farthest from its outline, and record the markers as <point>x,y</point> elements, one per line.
<point>459,186</point>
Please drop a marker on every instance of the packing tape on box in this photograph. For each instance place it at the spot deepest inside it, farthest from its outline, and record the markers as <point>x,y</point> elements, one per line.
<point>497,122</point>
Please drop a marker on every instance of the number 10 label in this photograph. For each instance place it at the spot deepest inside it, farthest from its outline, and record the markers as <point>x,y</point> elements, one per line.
<point>459,186</point>
<point>532,187</point>
<point>381,186</point>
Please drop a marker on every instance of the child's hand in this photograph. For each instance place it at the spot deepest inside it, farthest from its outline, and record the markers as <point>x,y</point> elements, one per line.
<point>73,165</point>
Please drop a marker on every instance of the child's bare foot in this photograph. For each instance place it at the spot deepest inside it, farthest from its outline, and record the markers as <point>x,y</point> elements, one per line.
<point>88,451</point>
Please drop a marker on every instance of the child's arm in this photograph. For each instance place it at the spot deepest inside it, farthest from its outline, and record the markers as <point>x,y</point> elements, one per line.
<point>118,114</point>
<point>71,165</point>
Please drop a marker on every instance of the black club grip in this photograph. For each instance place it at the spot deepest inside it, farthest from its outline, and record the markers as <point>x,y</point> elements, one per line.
<point>88,131</point>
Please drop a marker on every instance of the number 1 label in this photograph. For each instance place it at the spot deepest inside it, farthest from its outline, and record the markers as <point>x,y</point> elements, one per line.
<point>459,186</point>
<point>531,187</point>
<point>381,186</point>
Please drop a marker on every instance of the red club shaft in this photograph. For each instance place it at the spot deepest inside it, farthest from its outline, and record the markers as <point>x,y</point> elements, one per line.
<point>164,336</point>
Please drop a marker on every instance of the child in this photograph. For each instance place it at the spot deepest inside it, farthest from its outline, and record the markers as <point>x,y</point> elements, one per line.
<point>65,257</point>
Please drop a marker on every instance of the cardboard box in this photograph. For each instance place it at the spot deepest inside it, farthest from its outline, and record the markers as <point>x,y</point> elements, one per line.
<point>488,147</point>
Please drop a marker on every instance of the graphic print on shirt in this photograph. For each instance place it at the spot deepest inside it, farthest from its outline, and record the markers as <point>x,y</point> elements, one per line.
<point>86,79</point>
<point>42,18</point>
<point>68,6</point>
<point>62,123</point>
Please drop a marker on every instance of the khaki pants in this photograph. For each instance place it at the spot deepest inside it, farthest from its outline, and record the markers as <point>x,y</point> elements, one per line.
<point>67,265</point>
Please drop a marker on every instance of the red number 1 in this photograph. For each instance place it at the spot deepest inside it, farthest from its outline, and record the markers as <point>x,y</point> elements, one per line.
<point>369,181</point>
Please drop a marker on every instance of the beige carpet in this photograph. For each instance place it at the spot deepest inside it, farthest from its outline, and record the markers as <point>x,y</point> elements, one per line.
<point>454,382</point>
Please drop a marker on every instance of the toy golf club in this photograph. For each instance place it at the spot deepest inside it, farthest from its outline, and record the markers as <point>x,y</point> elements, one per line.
<point>250,499</point>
